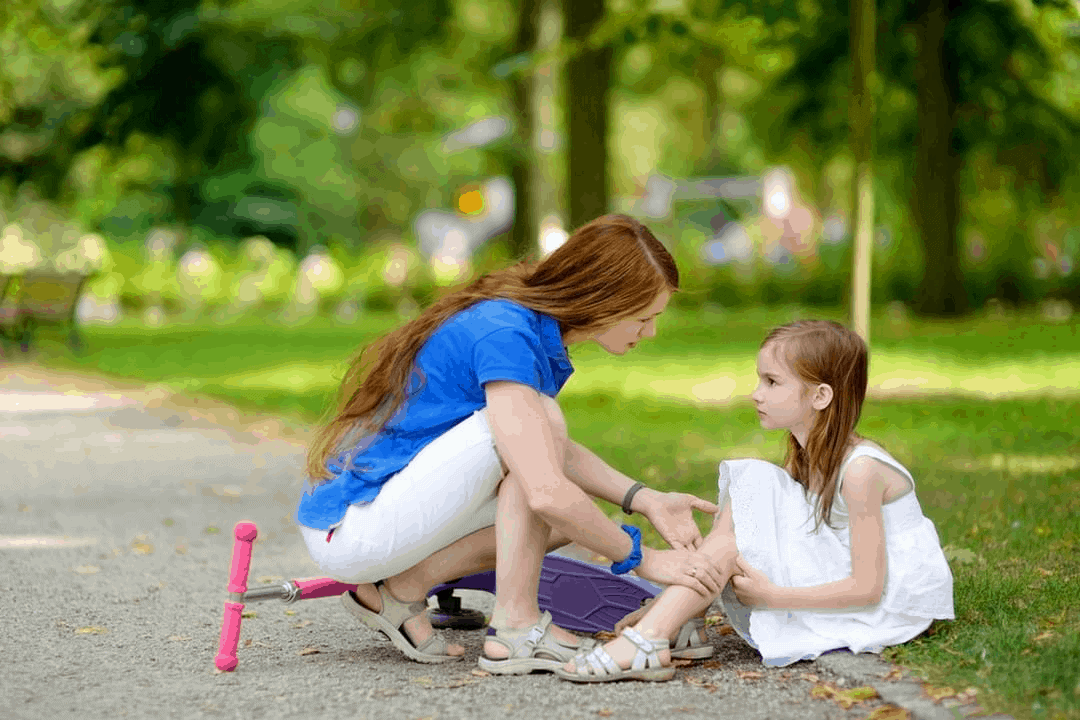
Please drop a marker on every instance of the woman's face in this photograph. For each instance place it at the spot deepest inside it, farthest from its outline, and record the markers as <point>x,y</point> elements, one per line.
<point>626,333</point>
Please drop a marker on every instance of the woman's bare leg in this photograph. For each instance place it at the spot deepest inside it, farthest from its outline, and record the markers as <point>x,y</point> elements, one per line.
<point>471,554</point>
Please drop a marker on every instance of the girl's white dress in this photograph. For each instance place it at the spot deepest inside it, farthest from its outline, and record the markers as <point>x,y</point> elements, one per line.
<point>774,530</point>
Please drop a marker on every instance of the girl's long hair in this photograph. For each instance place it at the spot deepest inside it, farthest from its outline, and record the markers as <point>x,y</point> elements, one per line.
<point>822,351</point>
<point>606,271</point>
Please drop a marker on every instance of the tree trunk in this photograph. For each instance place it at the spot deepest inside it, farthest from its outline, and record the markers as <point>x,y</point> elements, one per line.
<point>863,22</point>
<point>588,81</point>
<point>936,196</point>
<point>523,237</point>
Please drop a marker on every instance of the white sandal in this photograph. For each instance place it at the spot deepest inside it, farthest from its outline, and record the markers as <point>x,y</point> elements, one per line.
<point>598,666</point>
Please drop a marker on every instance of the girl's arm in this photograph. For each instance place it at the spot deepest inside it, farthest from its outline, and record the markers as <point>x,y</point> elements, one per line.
<point>864,491</point>
<point>670,513</point>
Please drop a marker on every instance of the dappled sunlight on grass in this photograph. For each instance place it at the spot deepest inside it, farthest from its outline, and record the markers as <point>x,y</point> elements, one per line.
<point>294,376</point>
<point>1017,464</point>
<point>728,379</point>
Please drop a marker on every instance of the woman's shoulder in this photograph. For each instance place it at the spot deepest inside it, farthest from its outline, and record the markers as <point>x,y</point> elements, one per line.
<point>496,314</point>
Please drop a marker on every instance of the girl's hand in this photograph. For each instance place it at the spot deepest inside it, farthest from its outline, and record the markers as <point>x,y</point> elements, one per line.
<point>680,567</point>
<point>751,586</point>
<point>672,514</point>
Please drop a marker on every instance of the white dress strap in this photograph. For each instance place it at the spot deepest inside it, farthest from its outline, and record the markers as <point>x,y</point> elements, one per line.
<point>863,449</point>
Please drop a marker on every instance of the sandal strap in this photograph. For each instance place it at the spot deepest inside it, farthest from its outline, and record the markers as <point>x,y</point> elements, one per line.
<point>687,634</point>
<point>646,656</point>
<point>395,611</point>
<point>598,661</point>
<point>536,641</point>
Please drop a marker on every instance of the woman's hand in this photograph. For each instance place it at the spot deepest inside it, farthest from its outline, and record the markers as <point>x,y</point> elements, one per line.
<point>751,586</point>
<point>680,567</point>
<point>672,514</point>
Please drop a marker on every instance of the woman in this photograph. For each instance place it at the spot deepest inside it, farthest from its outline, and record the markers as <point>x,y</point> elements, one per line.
<point>448,454</point>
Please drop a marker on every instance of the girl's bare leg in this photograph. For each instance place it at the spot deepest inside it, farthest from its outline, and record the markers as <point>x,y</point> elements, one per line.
<point>678,604</point>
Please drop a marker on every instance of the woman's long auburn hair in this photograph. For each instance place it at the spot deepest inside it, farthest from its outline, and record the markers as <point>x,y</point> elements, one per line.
<point>608,270</point>
<point>822,351</point>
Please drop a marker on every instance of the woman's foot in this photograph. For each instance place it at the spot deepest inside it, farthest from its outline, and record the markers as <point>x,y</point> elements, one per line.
<point>417,628</point>
<point>498,651</point>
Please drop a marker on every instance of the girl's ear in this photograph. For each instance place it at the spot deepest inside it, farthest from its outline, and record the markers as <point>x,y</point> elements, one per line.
<point>823,395</point>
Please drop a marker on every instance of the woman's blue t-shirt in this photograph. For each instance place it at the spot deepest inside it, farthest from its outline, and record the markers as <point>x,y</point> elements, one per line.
<point>491,340</point>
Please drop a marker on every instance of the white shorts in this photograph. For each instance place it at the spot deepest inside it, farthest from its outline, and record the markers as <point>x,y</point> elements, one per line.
<point>448,491</point>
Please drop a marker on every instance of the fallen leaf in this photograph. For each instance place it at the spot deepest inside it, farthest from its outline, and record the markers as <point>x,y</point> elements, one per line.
<point>181,549</point>
<point>211,530</point>
<point>91,630</point>
<point>711,620</point>
<point>968,696</point>
<point>894,675</point>
<point>451,684</point>
<point>1048,635</point>
<point>823,692</point>
<point>843,698</point>
<point>302,624</point>
<point>421,679</point>
<point>142,548</point>
<point>605,712</point>
<point>86,569</point>
<point>480,673</point>
<point>247,643</point>
<point>309,651</point>
<point>938,693</point>
<point>179,638</point>
<point>679,662</point>
<point>290,612</point>
<point>25,508</point>
<point>960,556</point>
<point>749,674</point>
<point>889,712</point>
<point>168,522</point>
<point>267,579</point>
<point>1044,572</point>
<point>249,614</point>
<point>858,695</point>
<point>809,676</point>
<point>726,630</point>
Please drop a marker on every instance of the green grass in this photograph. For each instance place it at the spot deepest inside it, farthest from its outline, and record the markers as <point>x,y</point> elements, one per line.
<point>983,411</point>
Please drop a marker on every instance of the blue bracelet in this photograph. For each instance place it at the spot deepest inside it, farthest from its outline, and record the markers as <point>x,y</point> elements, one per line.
<point>634,558</point>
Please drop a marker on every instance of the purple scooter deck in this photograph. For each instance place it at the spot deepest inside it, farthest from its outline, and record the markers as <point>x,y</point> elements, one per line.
<point>580,596</point>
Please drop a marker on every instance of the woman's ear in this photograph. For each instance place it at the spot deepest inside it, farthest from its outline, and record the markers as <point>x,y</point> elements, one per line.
<point>823,395</point>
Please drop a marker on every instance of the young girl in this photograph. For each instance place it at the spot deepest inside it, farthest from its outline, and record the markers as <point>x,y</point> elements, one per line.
<point>831,551</point>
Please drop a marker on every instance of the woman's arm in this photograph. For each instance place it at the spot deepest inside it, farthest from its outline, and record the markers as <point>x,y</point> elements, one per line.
<point>864,492</point>
<point>527,445</point>
<point>670,513</point>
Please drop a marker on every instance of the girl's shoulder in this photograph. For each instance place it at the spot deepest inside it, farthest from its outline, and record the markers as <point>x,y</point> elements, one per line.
<point>869,464</point>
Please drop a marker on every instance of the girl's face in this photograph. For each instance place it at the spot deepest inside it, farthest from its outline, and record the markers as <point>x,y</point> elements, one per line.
<point>783,400</point>
<point>625,334</point>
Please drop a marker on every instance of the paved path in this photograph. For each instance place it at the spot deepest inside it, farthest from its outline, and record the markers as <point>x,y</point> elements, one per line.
<point>116,511</point>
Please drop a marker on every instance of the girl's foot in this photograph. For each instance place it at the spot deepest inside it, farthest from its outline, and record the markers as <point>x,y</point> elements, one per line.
<point>418,627</point>
<point>622,651</point>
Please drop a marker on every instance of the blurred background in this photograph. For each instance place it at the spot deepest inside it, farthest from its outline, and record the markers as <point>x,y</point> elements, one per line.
<point>289,159</point>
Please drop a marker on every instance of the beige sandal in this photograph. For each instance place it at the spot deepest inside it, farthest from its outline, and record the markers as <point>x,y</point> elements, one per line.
<point>389,622</point>
<point>531,649</point>
<point>598,665</point>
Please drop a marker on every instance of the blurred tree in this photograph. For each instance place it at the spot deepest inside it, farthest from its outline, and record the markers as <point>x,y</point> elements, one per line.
<point>588,77</point>
<point>955,77</point>
<point>526,229</point>
<point>52,75</point>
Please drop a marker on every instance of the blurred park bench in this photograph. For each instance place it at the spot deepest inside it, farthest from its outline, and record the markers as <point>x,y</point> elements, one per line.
<point>40,297</point>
